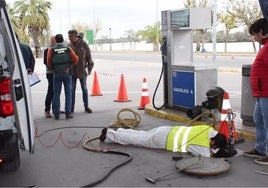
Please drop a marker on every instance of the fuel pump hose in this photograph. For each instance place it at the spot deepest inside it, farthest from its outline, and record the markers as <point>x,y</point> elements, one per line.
<point>163,70</point>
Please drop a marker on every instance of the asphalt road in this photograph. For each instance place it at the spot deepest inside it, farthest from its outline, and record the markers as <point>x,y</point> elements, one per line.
<point>60,160</point>
<point>135,66</point>
<point>222,61</point>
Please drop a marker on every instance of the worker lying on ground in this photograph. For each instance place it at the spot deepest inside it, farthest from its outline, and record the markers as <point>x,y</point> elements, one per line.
<point>200,140</point>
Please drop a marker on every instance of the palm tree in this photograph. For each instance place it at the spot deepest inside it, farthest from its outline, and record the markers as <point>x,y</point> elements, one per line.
<point>33,16</point>
<point>16,25</point>
<point>151,34</point>
<point>12,18</point>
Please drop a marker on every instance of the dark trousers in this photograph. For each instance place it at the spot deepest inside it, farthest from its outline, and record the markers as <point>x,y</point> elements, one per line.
<point>50,93</point>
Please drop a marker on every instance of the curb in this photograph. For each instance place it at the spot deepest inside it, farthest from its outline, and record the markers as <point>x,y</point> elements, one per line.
<point>174,115</point>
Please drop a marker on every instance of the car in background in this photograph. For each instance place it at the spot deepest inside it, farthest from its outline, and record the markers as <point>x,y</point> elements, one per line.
<point>16,119</point>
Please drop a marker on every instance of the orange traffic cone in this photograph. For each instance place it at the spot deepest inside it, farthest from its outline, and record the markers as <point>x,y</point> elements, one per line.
<point>145,98</point>
<point>122,93</point>
<point>226,126</point>
<point>96,91</point>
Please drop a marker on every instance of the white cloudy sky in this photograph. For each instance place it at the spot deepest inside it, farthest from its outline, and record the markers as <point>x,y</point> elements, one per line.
<point>119,15</point>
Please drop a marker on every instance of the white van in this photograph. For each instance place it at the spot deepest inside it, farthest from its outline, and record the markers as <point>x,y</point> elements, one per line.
<point>16,119</point>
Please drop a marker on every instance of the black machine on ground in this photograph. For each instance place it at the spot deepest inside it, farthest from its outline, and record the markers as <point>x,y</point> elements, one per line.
<point>213,101</point>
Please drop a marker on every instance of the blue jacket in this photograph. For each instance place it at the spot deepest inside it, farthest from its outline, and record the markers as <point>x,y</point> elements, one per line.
<point>27,56</point>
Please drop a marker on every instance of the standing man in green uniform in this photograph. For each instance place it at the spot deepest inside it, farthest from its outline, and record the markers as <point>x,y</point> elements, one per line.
<point>60,59</point>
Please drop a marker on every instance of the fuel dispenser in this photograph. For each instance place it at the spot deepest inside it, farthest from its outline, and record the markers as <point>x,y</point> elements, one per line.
<point>185,82</point>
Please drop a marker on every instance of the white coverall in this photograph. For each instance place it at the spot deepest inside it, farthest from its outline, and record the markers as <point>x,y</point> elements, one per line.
<point>154,138</point>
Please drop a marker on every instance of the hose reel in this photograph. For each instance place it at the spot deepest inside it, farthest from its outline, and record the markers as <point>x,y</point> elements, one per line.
<point>126,122</point>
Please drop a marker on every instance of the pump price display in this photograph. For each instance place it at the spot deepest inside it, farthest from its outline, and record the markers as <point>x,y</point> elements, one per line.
<point>180,18</point>
<point>183,89</point>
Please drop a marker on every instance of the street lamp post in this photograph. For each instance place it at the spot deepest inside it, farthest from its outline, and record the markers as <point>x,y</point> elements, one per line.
<point>157,32</point>
<point>94,22</point>
<point>214,30</point>
<point>69,13</point>
<point>110,30</point>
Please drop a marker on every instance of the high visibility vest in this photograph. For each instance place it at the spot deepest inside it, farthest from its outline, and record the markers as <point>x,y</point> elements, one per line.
<point>60,57</point>
<point>180,137</point>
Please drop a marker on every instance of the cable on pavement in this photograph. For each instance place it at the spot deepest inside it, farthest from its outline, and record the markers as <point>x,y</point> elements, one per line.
<point>85,146</point>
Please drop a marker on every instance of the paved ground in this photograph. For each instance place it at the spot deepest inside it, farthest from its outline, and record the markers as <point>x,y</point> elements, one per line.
<point>61,161</point>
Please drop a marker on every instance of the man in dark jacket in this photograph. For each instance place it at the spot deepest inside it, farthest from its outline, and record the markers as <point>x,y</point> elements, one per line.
<point>82,69</point>
<point>27,56</point>
<point>49,75</point>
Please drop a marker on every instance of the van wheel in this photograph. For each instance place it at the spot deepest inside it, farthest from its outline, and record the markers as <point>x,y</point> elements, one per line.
<point>14,164</point>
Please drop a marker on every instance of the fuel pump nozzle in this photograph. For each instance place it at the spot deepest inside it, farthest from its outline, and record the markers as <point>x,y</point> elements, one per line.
<point>163,47</point>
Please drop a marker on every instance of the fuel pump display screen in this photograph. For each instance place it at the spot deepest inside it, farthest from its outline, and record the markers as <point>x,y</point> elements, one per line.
<point>180,18</point>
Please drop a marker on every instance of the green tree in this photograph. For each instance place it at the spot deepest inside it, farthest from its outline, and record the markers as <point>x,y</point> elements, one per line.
<point>97,27</point>
<point>199,4</point>
<point>229,22</point>
<point>32,16</point>
<point>152,34</point>
<point>82,28</point>
<point>12,18</point>
<point>131,36</point>
<point>246,12</point>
